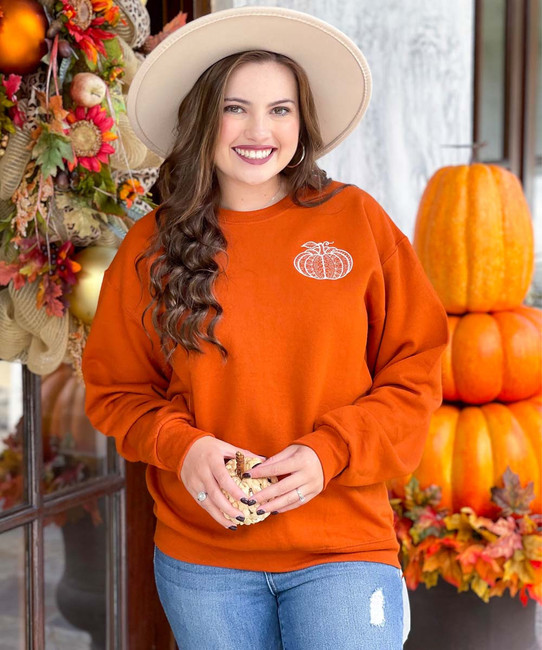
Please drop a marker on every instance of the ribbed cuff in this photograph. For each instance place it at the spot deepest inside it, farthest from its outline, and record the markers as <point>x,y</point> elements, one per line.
<point>174,441</point>
<point>330,448</point>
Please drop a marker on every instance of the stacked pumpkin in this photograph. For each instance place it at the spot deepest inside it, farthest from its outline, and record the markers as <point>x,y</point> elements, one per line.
<point>475,241</point>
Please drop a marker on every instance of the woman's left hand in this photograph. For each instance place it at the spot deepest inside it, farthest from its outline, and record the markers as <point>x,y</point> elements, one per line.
<point>302,471</point>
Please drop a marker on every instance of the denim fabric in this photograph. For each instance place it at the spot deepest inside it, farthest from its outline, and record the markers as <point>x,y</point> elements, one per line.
<point>334,606</point>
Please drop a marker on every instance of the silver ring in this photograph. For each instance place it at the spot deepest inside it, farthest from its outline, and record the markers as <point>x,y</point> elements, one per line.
<point>201,496</point>
<point>301,497</point>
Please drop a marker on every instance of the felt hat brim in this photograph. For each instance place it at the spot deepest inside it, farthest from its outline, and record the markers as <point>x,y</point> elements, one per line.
<point>338,73</point>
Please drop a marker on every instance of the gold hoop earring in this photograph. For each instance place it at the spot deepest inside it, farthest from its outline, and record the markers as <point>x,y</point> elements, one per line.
<point>300,160</point>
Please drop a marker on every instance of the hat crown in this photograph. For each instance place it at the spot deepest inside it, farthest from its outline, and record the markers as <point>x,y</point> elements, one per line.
<point>338,73</point>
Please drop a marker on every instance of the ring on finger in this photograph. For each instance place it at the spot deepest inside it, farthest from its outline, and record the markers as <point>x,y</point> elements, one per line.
<point>302,498</point>
<point>201,496</point>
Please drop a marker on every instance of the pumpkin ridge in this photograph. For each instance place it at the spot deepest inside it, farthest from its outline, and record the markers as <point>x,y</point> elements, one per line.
<point>485,240</point>
<point>452,207</point>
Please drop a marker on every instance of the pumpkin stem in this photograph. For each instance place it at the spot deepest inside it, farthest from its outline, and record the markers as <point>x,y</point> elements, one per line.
<point>239,464</point>
<point>474,146</point>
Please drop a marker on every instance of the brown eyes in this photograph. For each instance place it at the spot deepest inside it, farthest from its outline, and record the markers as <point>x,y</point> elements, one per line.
<point>236,109</point>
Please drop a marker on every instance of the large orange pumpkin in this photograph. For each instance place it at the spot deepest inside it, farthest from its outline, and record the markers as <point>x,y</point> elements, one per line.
<point>468,449</point>
<point>474,237</point>
<point>495,356</point>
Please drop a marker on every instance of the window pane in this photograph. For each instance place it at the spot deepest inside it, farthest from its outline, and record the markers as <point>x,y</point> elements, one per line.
<point>535,294</point>
<point>12,465</point>
<point>539,94</point>
<point>493,81</point>
<point>75,578</point>
<point>73,451</point>
<point>12,589</point>
<point>537,185</point>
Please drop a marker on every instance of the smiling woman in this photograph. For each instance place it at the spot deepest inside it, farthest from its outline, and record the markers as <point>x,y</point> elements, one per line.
<point>266,313</point>
<point>258,134</point>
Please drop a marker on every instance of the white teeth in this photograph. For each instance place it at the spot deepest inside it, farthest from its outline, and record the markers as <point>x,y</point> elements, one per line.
<point>253,153</point>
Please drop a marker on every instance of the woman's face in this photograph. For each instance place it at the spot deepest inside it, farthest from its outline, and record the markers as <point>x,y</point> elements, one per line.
<point>259,132</point>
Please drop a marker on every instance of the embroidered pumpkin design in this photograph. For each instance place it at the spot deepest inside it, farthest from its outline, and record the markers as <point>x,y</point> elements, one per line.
<point>236,468</point>
<point>323,262</point>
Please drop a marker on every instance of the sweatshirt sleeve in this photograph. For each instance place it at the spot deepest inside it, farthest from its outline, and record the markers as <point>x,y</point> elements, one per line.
<point>127,379</point>
<point>381,435</point>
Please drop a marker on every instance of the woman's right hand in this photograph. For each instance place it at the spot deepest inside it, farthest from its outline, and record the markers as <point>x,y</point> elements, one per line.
<point>204,470</point>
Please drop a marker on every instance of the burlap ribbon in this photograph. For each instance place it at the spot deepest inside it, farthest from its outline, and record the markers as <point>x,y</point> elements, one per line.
<point>131,154</point>
<point>14,162</point>
<point>7,208</point>
<point>28,333</point>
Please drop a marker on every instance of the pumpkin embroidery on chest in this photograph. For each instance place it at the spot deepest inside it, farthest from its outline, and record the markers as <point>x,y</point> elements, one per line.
<point>322,261</point>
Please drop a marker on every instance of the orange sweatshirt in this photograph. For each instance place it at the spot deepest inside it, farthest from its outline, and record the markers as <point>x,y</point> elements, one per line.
<point>334,337</point>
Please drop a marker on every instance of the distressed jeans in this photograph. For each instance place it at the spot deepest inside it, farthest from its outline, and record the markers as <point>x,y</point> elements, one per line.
<point>332,606</point>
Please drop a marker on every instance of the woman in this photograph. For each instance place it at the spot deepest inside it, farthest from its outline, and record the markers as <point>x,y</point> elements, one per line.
<point>265,309</point>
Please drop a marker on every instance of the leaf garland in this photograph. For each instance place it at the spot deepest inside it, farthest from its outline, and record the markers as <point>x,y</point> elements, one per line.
<point>38,237</point>
<point>468,551</point>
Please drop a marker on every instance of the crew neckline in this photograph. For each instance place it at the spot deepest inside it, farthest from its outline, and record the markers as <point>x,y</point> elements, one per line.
<point>261,214</point>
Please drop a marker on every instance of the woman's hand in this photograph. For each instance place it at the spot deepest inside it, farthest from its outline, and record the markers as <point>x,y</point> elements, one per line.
<point>204,470</point>
<point>304,473</point>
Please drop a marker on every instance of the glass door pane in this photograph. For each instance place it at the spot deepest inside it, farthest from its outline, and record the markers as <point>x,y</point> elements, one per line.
<point>73,451</point>
<point>493,80</point>
<point>75,578</point>
<point>12,589</point>
<point>13,481</point>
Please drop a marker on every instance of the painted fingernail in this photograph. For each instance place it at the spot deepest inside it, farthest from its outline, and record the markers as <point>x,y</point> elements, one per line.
<point>275,512</point>
<point>240,518</point>
<point>245,501</point>
<point>251,502</point>
<point>232,527</point>
<point>246,475</point>
<point>256,465</point>
<point>260,512</point>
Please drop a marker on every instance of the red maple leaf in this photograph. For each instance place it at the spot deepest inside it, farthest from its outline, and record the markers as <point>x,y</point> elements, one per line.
<point>9,272</point>
<point>11,84</point>
<point>49,294</point>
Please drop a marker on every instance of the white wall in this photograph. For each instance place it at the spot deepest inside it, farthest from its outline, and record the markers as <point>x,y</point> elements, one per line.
<point>421,58</point>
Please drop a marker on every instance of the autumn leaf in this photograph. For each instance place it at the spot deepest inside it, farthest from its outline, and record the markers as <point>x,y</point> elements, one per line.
<point>10,272</point>
<point>528,525</point>
<point>480,588</point>
<point>445,561</point>
<point>11,84</point>
<point>532,545</point>
<point>58,122</point>
<point>470,556</point>
<point>48,296</point>
<point>153,41</point>
<point>489,569</point>
<point>513,498</point>
<point>50,151</point>
<point>519,568</point>
<point>505,546</point>
<point>107,204</point>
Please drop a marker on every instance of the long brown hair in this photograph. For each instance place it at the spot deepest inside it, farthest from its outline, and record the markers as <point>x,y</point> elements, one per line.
<point>188,237</point>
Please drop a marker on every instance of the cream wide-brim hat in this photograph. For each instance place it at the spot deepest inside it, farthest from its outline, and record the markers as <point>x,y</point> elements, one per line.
<point>338,73</point>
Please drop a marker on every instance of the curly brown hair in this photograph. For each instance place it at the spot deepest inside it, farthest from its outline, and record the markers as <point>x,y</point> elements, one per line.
<point>188,236</point>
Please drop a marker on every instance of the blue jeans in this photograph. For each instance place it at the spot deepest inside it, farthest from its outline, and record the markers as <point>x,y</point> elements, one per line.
<point>334,606</point>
